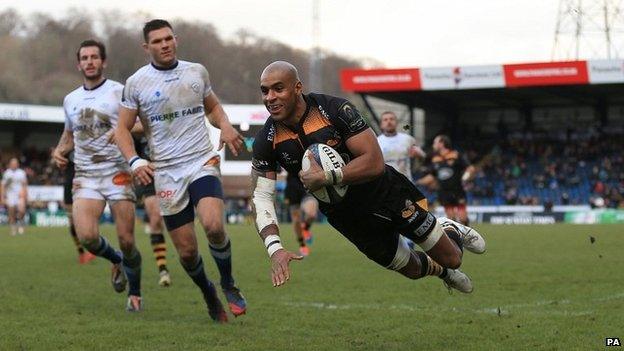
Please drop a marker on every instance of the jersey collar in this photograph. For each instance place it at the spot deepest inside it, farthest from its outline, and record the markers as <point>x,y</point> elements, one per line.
<point>165,68</point>
<point>95,87</point>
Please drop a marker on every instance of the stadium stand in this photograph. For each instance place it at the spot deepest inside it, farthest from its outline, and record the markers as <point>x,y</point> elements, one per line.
<point>538,168</point>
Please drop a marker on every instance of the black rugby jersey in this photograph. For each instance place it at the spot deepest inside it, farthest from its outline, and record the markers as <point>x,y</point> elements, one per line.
<point>449,169</point>
<point>329,120</point>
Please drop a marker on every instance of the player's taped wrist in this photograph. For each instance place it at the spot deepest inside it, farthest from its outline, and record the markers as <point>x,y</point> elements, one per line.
<point>137,162</point>
<point>333,177</point>
<point>272,243</point>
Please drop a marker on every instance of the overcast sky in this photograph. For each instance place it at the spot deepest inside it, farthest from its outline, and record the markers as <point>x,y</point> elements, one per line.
<point>397,33</point>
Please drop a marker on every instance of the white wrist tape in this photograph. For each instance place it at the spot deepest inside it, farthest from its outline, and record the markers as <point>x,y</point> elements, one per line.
<point>272,244</point>
<point>137,162</point>
<point>263,203</point>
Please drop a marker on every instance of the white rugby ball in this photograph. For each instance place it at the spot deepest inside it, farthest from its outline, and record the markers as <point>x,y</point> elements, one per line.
<point>329,159</point>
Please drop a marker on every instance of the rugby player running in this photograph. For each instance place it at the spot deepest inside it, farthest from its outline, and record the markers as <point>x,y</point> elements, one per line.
<point>14,194</point>
<point>381,206</point>
<point>172,99</point>
<point>102,175</point>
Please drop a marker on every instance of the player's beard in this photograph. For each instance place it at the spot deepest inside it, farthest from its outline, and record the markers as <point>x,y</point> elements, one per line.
<point>390,132</point>
<point>95,76</point>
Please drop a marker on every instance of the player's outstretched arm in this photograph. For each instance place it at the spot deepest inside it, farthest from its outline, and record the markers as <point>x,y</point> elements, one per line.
<point>141,168</point>
<point>263,206</point>
<point>218,118</point>
<point>64,146</point>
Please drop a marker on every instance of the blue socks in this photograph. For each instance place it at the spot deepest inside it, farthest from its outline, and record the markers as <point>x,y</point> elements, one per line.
<point>222,254</point>
<point>196,271</point>
<point>103,249</point>
<point>132,267</point>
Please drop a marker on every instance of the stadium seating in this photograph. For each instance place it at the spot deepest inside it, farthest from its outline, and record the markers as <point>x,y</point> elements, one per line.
<point>538,168</point>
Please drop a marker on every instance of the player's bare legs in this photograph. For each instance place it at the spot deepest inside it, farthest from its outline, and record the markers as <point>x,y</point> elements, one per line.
<point>87,214</point>
<point>185,242</point>
<point>309,207</point>
<point>157,239</point>
<point>441,260</point>
<point>21,212</point>
<point>210,211</point>
<point>12,213</point>
<point>446,253</point>
<point>83,256</point>
<point>123,213</point>
<point>295,215</point>
<point>462,215</point>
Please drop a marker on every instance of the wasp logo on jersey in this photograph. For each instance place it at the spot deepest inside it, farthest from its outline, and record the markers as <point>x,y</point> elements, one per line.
<point>409,212</point>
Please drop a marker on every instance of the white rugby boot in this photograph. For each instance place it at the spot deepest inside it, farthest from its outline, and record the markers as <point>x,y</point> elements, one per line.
<point>471,239</point>
<point>458,280</point>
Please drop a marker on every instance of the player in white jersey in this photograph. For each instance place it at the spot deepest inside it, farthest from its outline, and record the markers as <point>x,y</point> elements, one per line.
<point>102,175</point>
<point>172,99</point>
<point>13,194</point>
<point>398,148</point>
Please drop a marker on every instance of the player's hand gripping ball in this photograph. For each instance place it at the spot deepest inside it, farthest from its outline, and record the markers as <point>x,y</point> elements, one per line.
<point>318,159</point>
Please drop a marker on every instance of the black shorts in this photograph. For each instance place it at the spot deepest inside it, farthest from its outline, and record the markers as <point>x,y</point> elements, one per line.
<point>452,197</point>
<point>374,228</point>
<point>143,191</point>
<point>294,192</point>
<point>68,198</point>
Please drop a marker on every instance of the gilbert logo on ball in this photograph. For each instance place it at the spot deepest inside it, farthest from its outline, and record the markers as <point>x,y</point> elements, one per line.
<point>329,159</point>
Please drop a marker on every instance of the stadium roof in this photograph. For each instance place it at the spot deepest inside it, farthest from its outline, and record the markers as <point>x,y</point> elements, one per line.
<point>593,82</point>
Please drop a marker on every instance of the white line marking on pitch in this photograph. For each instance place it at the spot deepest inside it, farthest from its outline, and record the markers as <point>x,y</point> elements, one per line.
<point>503,309</point>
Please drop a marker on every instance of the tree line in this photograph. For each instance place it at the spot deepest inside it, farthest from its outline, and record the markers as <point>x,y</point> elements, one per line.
<point>38,55</point>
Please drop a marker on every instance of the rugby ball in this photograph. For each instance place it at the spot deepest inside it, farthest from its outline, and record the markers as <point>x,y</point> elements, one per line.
<point>329,159</point>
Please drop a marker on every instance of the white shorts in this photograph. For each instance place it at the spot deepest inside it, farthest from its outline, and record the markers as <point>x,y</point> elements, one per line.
<point>112,187</point>
<point>172,183</point>
<point>14,200</point>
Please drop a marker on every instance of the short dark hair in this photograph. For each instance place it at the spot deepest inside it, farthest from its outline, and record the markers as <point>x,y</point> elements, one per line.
<point>445,140</point>
<point>92,42</point>
<point>154,25</point>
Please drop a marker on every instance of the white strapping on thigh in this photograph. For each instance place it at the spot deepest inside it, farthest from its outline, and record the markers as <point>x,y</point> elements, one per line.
<point>432,238</point>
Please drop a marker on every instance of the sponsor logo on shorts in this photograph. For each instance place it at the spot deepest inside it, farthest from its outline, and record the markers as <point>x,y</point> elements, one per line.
<point>166,194</point>
<point>426,226</point>
<point>122,178</point>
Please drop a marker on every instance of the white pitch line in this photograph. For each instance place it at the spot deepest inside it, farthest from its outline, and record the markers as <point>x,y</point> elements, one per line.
<point>503,309</point>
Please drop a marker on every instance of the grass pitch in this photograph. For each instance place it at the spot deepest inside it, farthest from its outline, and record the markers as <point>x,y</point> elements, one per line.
<point>537,288</point>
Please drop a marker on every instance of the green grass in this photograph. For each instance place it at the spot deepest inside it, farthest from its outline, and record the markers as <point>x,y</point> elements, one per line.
<point>554,291</point>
